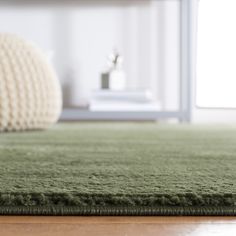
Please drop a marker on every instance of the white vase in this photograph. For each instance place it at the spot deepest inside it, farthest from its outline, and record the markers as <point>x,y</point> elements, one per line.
<point>117,80</point>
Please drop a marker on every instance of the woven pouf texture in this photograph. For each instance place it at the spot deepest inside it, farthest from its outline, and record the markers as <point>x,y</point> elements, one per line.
<point>30,94</point>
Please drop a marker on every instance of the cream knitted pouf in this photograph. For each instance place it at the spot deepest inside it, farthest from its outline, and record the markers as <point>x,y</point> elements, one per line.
<point>30,94</point>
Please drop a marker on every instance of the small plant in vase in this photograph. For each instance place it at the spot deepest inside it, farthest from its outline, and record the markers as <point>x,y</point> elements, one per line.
<point>114,78</point>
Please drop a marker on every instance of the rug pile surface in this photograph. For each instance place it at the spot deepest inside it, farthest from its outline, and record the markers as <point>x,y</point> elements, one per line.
<point>119,169</point>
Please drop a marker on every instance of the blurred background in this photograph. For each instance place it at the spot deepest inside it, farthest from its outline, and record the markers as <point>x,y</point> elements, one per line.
<point>83,39</point>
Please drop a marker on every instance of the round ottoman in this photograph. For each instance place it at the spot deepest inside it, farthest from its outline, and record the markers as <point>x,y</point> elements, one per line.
<point>30,94</point>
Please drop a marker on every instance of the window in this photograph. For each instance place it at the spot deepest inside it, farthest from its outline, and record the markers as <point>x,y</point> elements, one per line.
<point>216,64</point>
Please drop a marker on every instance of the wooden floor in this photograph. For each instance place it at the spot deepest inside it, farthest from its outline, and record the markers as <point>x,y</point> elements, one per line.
<point>114,226</point>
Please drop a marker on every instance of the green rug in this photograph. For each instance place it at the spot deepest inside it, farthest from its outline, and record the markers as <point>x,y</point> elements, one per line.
<point>119,169</point>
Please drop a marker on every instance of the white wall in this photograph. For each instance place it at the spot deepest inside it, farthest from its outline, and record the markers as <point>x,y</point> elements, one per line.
<point>82,35</point>
<point>34,23</point>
